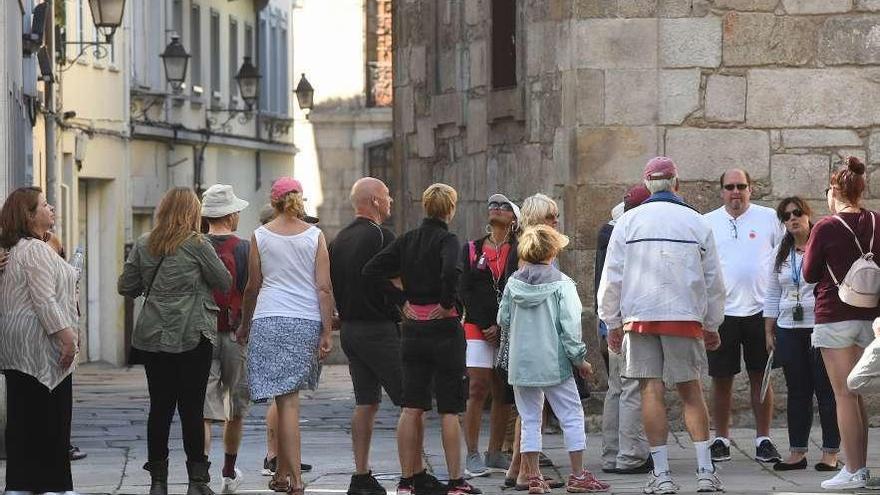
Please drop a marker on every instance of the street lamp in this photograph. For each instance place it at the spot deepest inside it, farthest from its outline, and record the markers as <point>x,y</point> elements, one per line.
<point>175,60</point>
<point>305,94</point>
<point>107,14</point>
<point>248,79</point>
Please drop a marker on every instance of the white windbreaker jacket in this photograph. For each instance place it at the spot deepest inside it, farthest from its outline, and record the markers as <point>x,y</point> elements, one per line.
<point>662,265</point>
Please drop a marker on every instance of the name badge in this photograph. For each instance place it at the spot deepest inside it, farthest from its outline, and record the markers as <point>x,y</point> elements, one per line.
<point>793,295</point>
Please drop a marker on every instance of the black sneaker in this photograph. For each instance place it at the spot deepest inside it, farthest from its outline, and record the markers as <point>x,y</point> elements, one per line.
<point>462,487</point>
<point>425,484</point>
<point>365,484</point>
<point>269,466</point>
<point>766,452</point>
<point>305,468</point>
<point>75,453</point>
<point>720,451</point>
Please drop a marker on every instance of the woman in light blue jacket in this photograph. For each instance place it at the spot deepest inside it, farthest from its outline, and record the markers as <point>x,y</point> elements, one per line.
<point>542,311</point>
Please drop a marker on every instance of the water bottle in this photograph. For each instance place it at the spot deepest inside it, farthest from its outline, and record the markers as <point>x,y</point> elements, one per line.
<point>77,260</point>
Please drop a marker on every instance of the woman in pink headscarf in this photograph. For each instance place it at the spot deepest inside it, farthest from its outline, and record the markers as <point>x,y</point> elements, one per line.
<point>287,318</point>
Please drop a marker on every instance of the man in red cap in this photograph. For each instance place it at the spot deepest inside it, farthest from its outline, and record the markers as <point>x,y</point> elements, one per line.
<point>662,297</point>
<point>624,445</point>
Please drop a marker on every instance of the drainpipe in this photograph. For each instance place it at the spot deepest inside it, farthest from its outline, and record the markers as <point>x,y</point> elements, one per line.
<point>53,169</point>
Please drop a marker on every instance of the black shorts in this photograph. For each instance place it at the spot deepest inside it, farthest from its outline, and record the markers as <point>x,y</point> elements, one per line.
<point>373,352</point>
<point>746,332</point>
<point>433,358</point>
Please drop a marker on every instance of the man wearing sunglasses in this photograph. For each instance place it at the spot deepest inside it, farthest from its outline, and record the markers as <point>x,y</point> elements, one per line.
<point>745,235</point>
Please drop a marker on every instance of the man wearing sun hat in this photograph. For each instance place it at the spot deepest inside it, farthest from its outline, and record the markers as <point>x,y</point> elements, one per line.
<point>662,297</point>
<point>227,398</point>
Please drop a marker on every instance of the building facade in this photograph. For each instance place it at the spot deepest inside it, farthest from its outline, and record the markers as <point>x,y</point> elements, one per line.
<point>572,97</point>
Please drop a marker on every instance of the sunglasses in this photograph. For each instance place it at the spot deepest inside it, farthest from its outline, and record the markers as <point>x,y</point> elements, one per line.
<point>738,187</point>
<point>494,205</point>
<point>797,212</point>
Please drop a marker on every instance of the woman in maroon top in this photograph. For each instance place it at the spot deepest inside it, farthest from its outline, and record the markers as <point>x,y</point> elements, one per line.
<point>843,331</point>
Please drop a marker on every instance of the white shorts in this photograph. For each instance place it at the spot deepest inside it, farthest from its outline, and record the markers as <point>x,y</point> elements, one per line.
<point>843,334</point>
<point>480,354</point>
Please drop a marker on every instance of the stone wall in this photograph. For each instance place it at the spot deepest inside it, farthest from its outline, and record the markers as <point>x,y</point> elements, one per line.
<point>783,88</point>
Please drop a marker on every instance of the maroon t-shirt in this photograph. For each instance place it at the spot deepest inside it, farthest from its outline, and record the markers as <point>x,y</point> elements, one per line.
<point>831,243</point>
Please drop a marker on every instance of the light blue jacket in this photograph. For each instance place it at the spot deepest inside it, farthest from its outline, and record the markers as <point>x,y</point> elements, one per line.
<point>542,312</point>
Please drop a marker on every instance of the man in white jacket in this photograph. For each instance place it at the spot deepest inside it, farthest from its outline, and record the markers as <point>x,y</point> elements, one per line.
<point>662,297</point>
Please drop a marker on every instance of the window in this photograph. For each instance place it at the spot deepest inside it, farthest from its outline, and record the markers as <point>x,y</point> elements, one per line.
<point>503,44</point>
<point>233,57</point>
<point>195,42</point>
<point>177,18</point>
<point>215,53</point>
<point>273,63</point>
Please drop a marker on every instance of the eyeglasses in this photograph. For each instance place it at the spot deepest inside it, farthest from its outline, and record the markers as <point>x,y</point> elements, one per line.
<point>733,232</point>
<point>738,187</point>
<point>494,205</point>
<point>797,212</point>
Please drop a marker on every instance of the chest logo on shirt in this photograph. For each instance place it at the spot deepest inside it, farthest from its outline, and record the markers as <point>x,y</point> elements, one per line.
<point>753,234</point>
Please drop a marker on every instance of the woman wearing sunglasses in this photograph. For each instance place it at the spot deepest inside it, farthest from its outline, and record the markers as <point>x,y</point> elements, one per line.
<point>843,331</point>
<point>788,323</point>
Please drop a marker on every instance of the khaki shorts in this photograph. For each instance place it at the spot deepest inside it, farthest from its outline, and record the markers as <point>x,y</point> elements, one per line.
<point>673,359</point>
<point>227,396</point>
<point>843,334</point>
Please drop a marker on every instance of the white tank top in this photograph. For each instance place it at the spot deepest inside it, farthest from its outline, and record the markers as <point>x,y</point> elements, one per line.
<point>289,285</point>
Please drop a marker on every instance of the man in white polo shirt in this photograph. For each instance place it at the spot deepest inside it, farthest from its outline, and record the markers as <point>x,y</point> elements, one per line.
<point>745,235</point>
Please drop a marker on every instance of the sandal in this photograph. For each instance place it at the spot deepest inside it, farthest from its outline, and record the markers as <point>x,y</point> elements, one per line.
<point>550,482</point>
<point>279,485</point>
<point>300,490</point>
<point>537,486</point>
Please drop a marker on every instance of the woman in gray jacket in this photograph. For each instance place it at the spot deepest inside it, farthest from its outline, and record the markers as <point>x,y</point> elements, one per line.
<point>175,269</point>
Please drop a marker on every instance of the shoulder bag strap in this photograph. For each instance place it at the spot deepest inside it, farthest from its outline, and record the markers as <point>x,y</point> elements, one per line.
<point>855,237</point>
<point>153,279</point>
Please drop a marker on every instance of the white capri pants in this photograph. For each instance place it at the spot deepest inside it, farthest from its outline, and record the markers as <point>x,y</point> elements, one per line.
<point>566,404</point>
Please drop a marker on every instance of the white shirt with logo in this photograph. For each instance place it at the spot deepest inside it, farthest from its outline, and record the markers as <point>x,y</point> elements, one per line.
<point>746,247</point>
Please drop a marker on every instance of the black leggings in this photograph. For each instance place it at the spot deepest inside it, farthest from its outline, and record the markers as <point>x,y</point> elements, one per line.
<point>37,434</point>
<point>177,380</point>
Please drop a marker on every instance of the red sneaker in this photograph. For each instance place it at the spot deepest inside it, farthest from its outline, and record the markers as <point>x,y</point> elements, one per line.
<point>585,483</point>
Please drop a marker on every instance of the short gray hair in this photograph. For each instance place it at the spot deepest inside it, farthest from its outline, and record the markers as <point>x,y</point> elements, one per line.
<point>658,185</point>
<point>536,208</point>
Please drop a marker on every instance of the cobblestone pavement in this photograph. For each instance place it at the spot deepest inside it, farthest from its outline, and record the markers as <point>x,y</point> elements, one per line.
<point>110,409</point>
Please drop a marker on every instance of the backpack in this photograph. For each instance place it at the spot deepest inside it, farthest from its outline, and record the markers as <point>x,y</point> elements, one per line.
<point>861,284</point>
<point>229,301</point>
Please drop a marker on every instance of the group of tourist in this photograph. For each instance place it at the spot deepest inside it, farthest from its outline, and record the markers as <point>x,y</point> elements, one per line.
<point>435,322</point>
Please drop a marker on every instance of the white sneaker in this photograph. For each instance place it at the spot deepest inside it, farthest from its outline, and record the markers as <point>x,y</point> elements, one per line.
<point>660,483</point>
<point>230,485</point>
<point>844,480</point>
<point>707,481</point>
<point>17,492</point>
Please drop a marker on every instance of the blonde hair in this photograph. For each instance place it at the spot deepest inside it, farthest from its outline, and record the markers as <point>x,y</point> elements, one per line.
<point>540,243</point>
<point>177,219</point>
<point>291,204</point>
<point>439,200</point>
<point>535,210</point>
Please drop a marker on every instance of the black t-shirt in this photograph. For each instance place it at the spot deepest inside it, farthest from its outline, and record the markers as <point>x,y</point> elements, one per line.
<point>241,258</point>
<point>358,298</point>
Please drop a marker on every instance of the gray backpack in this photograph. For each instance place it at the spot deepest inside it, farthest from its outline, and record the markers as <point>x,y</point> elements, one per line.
<point>861,284</point>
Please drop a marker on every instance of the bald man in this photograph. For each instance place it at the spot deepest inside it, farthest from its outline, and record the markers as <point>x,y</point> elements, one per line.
<point>369,315</point>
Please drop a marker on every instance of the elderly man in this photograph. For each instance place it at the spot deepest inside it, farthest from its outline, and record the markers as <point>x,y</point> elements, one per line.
<point>662,297</point>
<point>745,235</point>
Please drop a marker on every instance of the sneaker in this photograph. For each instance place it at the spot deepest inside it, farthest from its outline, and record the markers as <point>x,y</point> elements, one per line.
<point>462,487</point>
<point>405,486</point>
<point>660,483</point>
<point>269,467</point>
<point>497,462</point>
<point>76,454</point>
<point>644,468</point>
<point>230,485</point>
<point>365,484</point>
<point>766,452</point>
<point>544,461</point>
<point>425,484</point>
<point>844,480</point>
<point>474,465</point>
<point>871,484</point>
<point>720,449</point>
<point>585,483</point>
<point>305,468</point>
<point>707,481</point>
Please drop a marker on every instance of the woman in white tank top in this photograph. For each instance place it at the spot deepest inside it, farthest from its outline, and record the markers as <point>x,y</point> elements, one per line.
<point>287,311</point>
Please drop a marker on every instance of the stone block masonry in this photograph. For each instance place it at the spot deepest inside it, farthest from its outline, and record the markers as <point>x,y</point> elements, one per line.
<point>783,88</point>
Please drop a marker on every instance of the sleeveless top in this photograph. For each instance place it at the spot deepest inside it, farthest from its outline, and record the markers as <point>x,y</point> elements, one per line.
<point>288,264</point>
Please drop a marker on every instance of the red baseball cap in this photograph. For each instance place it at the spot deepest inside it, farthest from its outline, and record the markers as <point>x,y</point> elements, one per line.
<point>635,196</point>
<point>284,185</point>
<point>660,167</point>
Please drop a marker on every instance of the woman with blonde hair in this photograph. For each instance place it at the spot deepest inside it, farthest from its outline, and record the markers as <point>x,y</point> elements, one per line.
<point>287,313</point>
<point>175,269</point>
<point>539,209</point>
<point>38,331</point>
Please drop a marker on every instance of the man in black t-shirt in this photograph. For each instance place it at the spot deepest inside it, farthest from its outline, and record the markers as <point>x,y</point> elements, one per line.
<point>369,314</point>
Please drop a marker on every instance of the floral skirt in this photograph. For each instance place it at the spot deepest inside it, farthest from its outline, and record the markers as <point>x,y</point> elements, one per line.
<point>283,356</point>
